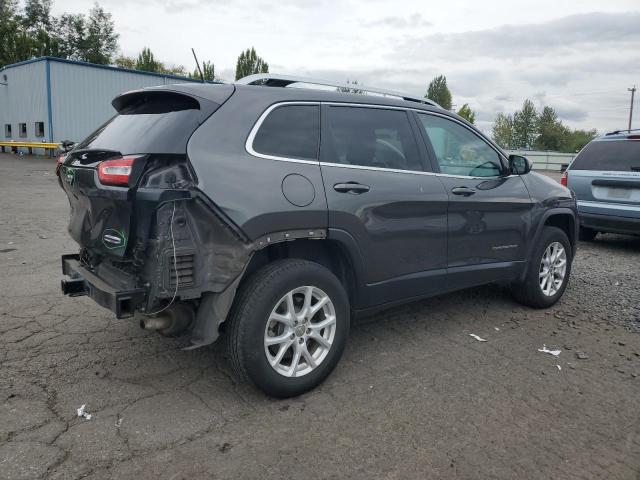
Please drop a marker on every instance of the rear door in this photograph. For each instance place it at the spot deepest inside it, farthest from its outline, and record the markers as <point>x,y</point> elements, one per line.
<point>489,210</point>
<point>605,177</point>
<point>379,193</point>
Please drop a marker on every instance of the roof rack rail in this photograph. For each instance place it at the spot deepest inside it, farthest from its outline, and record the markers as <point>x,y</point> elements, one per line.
<point>616,132</point>
<point>275,80</point>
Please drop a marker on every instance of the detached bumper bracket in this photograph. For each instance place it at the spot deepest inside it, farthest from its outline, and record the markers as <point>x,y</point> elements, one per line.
<point>84,282</point>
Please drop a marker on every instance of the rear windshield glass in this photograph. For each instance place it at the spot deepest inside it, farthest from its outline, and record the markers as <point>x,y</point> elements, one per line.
<point>612,155</point>
<point>158,124</point>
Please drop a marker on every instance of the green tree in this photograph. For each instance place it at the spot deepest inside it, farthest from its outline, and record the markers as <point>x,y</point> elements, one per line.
<point>439,92</point>
<point>101,41</point>
<point>249,63</point>
<point>553,133</point>
<point>577,139</point>
<point>37,23</point>
<point>208,72</point>
<point>11,34</point>
<point>123,61</point>
<point>525,125</point>
<point>147,62</point>
<point>466,113</point>
<point>503,131</point>
<point>70,31</point>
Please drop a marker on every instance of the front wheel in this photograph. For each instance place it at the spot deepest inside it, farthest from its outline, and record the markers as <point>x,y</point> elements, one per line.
<point>288,327</point>
<point>548,273</point>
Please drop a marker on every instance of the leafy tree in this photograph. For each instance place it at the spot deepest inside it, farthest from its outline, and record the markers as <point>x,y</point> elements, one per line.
<point>208,72</point>
<point>352,87</point>
<point>71,34</point>
<point>101,42</point>
<point>439,92</point>
<point>552,132</point>
<point>466,113</point>
<point>577,139</point>
<point>147,62</point>
<point>249,63</point>
<point>10,29</point>
<point>525,125</point>
<point>123,61</point>
<point>503,131</point>
<point>37,23</point>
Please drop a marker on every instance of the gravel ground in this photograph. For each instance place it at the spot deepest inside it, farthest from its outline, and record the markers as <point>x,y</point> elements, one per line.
<point>414,396</point>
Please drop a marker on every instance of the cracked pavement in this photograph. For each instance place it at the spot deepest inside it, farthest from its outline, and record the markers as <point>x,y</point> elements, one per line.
<point>413,397</point>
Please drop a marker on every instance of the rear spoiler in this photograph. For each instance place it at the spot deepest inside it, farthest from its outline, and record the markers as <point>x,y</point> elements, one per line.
<point>173,98</point>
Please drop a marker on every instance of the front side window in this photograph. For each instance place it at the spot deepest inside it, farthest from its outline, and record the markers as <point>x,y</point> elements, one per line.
<point>370,137</point>
<point>290,131</point>
<point>458,150</point>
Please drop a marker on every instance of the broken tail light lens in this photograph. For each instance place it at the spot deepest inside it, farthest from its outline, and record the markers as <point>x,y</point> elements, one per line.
<point>116,172</point>
<point>564,178</point>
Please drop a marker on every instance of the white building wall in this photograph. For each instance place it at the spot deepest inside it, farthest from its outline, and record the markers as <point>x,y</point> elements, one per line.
<point>23,100</point>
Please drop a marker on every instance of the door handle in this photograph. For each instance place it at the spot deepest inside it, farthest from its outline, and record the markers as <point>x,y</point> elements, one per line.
<point>351,187</point>
<point>464,191</point>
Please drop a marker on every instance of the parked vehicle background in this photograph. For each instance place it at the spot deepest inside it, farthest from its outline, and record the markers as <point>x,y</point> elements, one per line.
<point>605,177</point>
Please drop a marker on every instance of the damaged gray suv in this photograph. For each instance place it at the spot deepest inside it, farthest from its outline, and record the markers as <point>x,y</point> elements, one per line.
<point>271,216</point>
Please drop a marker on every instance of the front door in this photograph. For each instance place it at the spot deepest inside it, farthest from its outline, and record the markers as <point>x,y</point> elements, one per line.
<point>489,209</point>
<point>379,193</point>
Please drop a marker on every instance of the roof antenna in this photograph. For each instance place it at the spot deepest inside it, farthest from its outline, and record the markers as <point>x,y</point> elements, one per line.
<point>198,64</point>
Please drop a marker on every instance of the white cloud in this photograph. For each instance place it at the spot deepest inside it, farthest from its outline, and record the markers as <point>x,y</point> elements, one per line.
<point>578,57</point>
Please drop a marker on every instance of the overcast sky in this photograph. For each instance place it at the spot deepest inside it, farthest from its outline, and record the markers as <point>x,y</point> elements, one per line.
<point>577,56</point>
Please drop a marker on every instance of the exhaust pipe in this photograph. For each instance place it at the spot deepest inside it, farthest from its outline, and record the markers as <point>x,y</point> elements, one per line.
<point>174,321</point>
<point>155,323</point>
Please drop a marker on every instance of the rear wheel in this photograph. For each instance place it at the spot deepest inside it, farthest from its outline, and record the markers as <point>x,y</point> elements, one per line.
<point>549,271</point>
<point>288,327</point>
<point>587,234</point>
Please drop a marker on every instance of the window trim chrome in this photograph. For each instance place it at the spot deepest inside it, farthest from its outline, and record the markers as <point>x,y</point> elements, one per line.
<point>254,131</point>
<point>263,116</point>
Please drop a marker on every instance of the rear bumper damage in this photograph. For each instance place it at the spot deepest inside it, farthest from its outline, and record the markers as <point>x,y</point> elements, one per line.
<point>122,302</point>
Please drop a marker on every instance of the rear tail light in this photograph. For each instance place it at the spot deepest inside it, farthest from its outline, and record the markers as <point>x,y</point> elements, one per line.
<point>564,178</point>
<point>116,172</point>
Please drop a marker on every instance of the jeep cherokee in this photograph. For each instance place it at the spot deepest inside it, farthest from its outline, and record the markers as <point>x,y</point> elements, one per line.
<point>273,215</point>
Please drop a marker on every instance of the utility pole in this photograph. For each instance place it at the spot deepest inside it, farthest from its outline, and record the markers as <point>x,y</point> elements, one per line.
<point>633,92</point>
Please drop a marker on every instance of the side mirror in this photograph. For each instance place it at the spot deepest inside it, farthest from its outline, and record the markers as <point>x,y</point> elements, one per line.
<point>519,165</point>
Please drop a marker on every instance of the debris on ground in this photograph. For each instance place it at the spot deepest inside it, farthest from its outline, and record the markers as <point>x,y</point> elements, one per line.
<point>480,339</point>
<point>581,356</point>
<point>119,422</point>
<point>544,349</point>
<point>559,367</point>
<point>83,413</point>
<point>496,329</point>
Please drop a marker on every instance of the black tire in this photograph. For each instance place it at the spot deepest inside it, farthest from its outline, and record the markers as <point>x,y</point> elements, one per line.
<point>249,315</point>
<point>529,291</point>
<point>586,234</point>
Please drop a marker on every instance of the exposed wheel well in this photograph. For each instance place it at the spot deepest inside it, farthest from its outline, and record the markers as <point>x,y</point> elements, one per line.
<point>327,253</point>
<point>566,223</point>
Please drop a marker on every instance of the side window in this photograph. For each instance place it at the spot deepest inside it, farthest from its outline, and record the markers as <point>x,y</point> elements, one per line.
<point>458,150</point>
<point>39,129</point>
<point>372,137</point>
<point>291,131</point>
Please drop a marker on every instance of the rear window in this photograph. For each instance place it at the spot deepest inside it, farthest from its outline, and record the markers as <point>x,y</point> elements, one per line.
<point>155,122</point>
<point>290,131</point>
<point>609,155</point>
